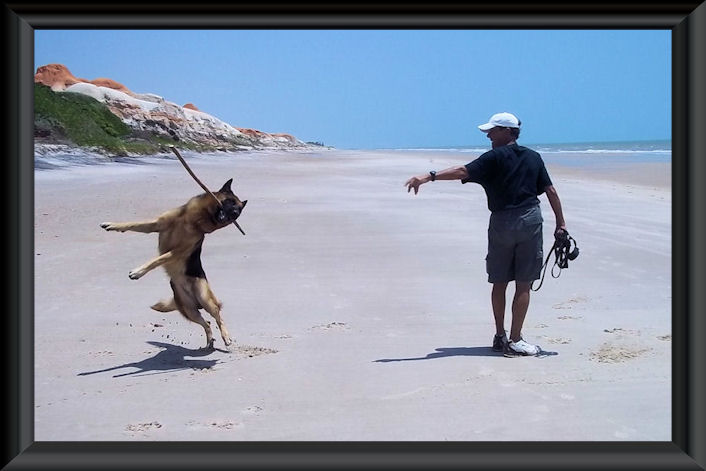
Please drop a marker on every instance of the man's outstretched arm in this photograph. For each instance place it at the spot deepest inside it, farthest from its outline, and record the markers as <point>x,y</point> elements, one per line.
<point>451,173</point>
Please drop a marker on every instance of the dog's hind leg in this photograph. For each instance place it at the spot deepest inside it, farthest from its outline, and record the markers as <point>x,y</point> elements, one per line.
<point>140,271</point>
<point>212,305</point>
<point>187,307</point>
<point>141,226</point>
<point>165,306</point>
<point>194,315</point>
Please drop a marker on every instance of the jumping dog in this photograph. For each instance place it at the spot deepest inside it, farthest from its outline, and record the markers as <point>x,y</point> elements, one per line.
<point>181,234</point>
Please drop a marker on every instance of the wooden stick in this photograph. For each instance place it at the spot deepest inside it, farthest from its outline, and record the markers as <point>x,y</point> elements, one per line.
<point>188,169</point>
<point>186,166</point>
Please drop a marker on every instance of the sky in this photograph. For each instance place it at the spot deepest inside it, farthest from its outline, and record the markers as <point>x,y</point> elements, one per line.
<point>372,89</point>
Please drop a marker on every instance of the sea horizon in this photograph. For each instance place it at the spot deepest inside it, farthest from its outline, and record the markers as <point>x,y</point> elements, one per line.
<point>576,153</point>
<point>633,146</point>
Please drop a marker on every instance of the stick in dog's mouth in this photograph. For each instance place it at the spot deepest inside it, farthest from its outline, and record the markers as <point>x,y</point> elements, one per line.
<point>188,169</point>
<point>238,226</point>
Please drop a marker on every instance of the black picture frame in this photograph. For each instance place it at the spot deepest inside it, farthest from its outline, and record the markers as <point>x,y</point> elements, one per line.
<point>686,451</point>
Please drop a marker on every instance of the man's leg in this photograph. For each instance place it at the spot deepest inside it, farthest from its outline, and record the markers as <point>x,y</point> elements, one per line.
<point>520,304</point>
<point>498,300</point>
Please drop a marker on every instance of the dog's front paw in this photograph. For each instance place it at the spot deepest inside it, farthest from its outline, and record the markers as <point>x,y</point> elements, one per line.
<point>108,226</point>
<point>135,275</point>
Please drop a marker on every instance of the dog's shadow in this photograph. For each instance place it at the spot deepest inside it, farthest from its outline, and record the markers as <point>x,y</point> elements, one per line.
<point>169,358</point>
<point>443,352</point>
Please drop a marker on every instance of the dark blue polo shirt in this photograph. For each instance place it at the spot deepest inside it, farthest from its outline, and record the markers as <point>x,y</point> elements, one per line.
<point>512,177</point>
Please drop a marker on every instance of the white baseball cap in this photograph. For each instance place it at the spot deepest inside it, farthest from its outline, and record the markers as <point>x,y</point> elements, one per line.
<point>503,120</point>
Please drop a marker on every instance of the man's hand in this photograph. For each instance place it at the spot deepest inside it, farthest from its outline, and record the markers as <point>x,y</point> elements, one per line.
<point>415,182</point>
<point>560,231</point>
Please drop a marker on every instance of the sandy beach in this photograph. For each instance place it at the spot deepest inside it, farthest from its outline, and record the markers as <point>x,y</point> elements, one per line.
<point>360,312</point>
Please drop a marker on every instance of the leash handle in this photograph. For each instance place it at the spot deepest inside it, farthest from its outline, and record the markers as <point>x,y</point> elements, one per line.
<point>562,253</point>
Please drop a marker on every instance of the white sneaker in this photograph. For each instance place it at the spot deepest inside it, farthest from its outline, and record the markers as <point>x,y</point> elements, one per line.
<point>522,348</point>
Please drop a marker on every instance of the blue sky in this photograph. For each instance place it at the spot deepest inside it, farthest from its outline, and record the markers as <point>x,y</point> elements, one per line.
<point>364,89</point>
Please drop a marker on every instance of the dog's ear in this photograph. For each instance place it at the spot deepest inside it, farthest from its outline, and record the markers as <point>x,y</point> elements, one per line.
<point>226,187</point>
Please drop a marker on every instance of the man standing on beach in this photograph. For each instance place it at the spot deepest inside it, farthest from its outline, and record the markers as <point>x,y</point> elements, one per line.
<point>512,177</point>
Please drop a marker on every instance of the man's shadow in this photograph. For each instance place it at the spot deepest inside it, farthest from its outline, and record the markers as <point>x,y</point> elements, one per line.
<point>170,358</point>
<point>443,352</point>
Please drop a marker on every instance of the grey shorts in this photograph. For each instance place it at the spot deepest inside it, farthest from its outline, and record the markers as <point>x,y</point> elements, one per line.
<point>515,245</point>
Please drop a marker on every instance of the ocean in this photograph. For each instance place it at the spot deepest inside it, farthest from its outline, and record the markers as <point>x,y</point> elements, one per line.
<point>581,154</point>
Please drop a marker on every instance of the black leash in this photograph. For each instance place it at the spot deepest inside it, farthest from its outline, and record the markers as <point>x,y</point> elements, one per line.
<point>562,254</point>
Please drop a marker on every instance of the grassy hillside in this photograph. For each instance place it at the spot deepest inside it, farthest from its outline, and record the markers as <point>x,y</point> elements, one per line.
<point>73,118</point>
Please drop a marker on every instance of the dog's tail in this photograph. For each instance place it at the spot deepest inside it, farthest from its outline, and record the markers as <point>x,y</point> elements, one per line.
<point>165,306</point>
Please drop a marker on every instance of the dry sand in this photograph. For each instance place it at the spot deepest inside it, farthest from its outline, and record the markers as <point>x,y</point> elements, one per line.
<point>360,312</point>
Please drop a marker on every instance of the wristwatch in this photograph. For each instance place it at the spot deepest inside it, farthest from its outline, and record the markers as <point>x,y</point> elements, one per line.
<point>433,175</point>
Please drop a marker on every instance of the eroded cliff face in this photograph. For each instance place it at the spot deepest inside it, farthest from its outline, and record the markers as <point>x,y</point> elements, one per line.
<point>147,112</point>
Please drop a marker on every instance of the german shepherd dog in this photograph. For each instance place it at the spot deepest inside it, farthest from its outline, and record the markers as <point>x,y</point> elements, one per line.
<point>181,234</point>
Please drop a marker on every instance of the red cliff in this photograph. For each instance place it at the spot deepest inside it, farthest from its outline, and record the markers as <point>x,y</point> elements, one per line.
<point>58,77</point>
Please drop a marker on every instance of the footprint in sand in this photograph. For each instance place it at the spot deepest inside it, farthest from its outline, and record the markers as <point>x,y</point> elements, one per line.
<point>222,424</point>
<point>101,353</point>
<point>252,410</point>
<point>570,303</point>
<point>621,331</point>
<point>563,318</point>
<point>142,428</point>
<point>251,351</point>
<point>614,353</point>
<point>665,338</point>
<point>331,326</point>
<point>557,340</point>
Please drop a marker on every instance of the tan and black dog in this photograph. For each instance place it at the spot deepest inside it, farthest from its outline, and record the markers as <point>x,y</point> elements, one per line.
<point>181,234</point>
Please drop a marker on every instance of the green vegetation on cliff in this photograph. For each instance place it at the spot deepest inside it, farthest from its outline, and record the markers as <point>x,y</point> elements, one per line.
<point>73,118</point>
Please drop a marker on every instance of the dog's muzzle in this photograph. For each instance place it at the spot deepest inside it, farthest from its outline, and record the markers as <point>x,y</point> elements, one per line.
<point>223,216</point>
<point>229,211</point>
